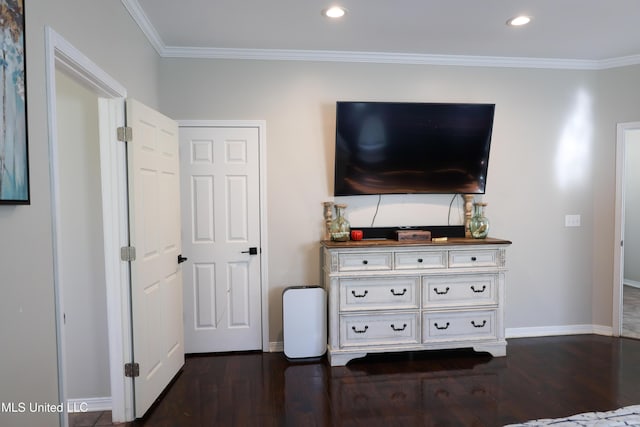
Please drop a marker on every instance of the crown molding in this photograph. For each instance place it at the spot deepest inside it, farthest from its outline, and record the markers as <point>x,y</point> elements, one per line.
<point>138,15</point>
<point>377,57</point>
<point>622,61</point>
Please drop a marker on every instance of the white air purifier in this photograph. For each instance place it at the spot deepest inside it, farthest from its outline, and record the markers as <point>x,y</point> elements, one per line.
<point>304,320</point>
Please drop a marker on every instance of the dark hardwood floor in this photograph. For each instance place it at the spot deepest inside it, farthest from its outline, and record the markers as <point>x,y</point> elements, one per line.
<point>539,378</point>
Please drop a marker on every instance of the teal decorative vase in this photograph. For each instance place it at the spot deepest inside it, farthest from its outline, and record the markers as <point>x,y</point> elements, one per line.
<point>479,224</point>
<point>340,227</point>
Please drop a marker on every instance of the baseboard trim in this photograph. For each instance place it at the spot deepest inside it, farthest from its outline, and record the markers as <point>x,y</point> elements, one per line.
<point>548,331</point>
<point>276,346</point>
<point>632,283</point>
<point>89,404</point>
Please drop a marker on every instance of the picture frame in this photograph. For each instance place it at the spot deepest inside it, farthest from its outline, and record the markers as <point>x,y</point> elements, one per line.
<point>14,156</point>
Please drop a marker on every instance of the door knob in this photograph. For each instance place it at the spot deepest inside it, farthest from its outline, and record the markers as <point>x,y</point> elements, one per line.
<point>182,259</point>
<point>251,251</point>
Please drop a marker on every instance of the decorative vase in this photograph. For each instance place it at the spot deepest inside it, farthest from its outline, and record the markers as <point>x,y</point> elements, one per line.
<point>340,227</point>
<point>479,224</point>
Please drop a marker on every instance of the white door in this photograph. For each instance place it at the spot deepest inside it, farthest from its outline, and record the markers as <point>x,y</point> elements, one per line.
<point>156,278</point>
<point>221,209</point>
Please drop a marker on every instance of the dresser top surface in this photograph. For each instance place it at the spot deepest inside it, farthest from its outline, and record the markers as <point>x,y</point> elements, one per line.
<point>381,243</point>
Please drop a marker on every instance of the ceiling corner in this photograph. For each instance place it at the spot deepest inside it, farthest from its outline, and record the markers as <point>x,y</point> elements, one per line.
<point>138,15</point>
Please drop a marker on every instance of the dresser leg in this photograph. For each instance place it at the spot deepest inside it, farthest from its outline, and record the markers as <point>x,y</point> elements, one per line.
<point>496,350</point>
<point>341,359</point>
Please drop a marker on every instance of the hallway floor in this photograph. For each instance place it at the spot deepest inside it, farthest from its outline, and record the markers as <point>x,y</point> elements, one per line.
<point>631,312</point>
<point>90,419</point>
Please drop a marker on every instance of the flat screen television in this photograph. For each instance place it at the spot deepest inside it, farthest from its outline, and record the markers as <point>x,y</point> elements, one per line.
<point>403,148</point>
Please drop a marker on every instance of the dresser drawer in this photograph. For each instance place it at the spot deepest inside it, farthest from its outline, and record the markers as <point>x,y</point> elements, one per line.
<point>473,258</point>
<point>412,260</point>
<point>459,290</point>
<point>468,325</point>
<point>363,261</point>
<point>371,293</point>
<point>379,329</point>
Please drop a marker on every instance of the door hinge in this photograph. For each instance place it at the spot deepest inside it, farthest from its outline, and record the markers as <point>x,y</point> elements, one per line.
<point>128,253</point>
<point>131,370</point>
<point>125,134</point>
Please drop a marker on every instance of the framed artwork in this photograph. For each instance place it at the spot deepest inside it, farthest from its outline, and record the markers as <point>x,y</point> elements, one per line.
<point>14,159</point>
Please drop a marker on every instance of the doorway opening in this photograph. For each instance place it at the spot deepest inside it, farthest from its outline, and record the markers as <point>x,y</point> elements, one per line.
<point>626,308</point>
<point>63,59</point>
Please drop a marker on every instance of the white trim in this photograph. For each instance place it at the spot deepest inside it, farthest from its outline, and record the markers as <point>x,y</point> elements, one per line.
<point>622,61</point>
<point>261,125</point>
<point>80,68</point>
<point>50,68</point>
<point>138,15</point>
<point>276,347</point>
<point>89,404</point>
<point>603,330</point>
<point>377,58</point>
<point>618,234</point>
<point>113,161</point>
<point>61,55</point>
<point>547,331</point>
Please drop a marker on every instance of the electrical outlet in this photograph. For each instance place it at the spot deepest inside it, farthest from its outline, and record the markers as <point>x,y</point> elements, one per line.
<point>572,220</point>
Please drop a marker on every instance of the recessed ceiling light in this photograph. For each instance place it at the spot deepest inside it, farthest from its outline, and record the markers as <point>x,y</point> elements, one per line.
<point>519,20</point>
<point>334,12</point>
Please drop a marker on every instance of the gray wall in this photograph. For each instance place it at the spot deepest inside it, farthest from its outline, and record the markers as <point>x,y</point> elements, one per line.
<point>105,32</point>
<point>545,154</point>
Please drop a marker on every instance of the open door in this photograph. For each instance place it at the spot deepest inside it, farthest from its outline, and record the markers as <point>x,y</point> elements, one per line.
<point>156,278</point>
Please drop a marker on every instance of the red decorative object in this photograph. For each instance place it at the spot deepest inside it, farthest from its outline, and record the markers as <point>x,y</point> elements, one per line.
<point>356,234</point>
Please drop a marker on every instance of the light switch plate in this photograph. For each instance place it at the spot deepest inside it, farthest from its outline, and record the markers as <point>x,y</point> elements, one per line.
<point>572,220</point>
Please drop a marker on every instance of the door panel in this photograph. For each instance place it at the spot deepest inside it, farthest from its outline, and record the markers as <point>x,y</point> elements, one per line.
<point>156,279</point>
<point>221,211</point>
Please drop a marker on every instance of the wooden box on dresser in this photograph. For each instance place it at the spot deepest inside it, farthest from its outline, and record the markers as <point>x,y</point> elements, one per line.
<point>386,296</point>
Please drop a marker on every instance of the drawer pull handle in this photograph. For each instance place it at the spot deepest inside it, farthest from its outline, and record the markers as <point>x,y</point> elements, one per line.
<point>365,262</point>
<point>478,291</point>
<point>398,329</point>
<point>360,331</point>
<point>360,295</point>
<point>442,327</point>
<point>474,258</point>
<point>398,294</point>
<point>484,322</point>
<point>441,292</point>
<point>420,260</point>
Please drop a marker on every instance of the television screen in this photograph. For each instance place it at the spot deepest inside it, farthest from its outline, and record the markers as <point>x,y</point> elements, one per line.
<point>399,148</point>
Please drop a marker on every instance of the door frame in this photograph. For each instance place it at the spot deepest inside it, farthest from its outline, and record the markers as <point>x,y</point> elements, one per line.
<point>618,248</point>
<point>60,55</point>
<point>261,125</point>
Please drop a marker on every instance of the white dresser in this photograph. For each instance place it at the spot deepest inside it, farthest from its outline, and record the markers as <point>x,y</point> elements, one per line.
<point>386,295</point>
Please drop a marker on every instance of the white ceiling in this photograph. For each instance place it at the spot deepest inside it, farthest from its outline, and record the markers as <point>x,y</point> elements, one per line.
<point>589,32</point>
